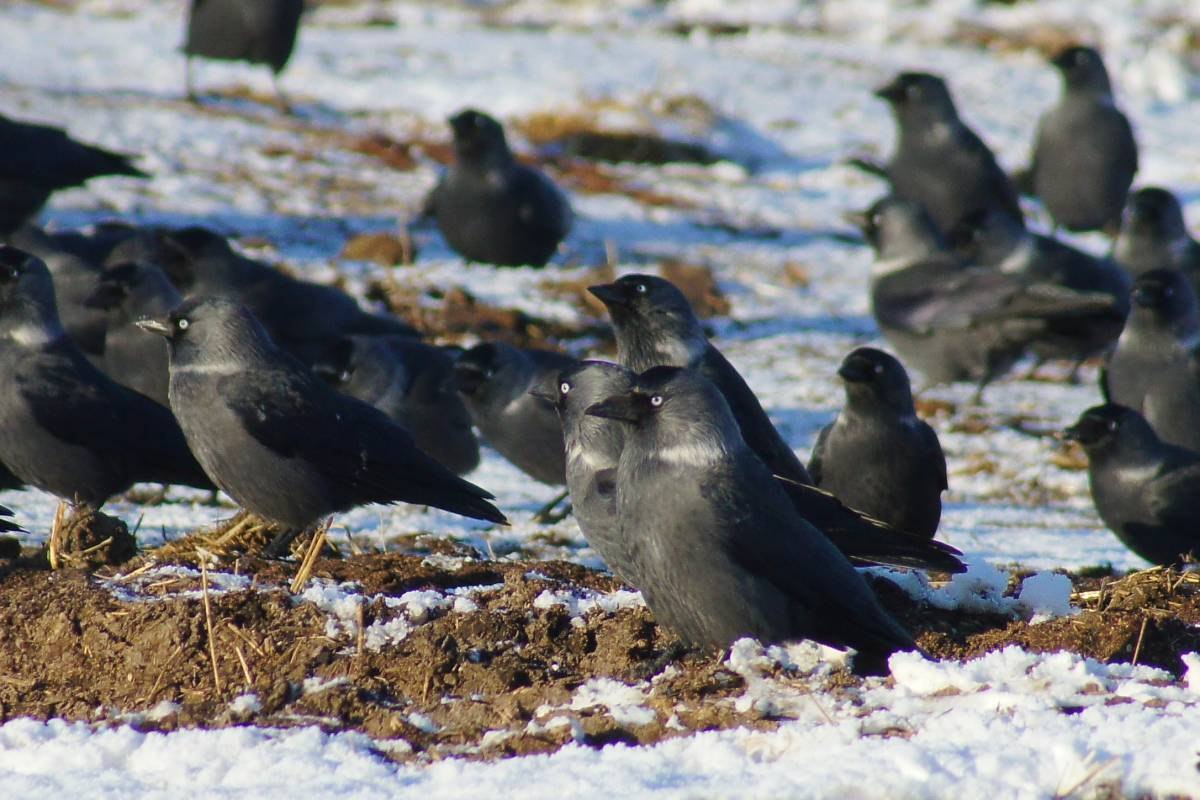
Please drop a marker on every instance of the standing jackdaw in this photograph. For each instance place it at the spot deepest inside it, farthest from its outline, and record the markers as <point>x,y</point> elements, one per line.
<point>255,31</point>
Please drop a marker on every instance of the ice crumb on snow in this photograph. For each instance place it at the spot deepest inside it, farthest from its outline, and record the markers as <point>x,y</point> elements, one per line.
<point>580,603</point>
<point>1046,595</point>
<point>423,722</point>
<point>245,704</point>
<point>162,710</point>
<point>315,684</point>
<point>981,590</point>
<point>625,703</point>
<point>156,582</point>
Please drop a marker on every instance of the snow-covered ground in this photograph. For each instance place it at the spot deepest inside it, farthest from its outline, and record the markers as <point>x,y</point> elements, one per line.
<point>785,99</point>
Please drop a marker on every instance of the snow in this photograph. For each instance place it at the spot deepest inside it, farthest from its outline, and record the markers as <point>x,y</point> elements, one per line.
<point>785,103</point>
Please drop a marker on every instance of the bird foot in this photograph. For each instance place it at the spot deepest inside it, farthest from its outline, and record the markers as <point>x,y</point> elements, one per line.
<point>674,652</point>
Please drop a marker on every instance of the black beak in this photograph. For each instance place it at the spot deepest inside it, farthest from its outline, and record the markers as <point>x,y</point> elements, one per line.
<point>1145,296</point>
<point>610,294</point>
<point>854,370</point>
<point>630,408</point>
<point>546,389</point>
<point>162,327</point>
<point>891,92</point>
<point>1073,434</point>
<point>468,378</point>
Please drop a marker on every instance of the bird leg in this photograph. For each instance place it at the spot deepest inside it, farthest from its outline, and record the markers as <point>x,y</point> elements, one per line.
<point>281,99</point>
<point>675,651</point>
<point>189,87</point>
<point>279,546</point>
<point>543,515</point>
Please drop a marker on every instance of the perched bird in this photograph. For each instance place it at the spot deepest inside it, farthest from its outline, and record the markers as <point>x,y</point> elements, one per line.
<point>994,239</point>
<point>494,380</point>
<point>411,382</point>
<point>493,209</point>
<point>299,315</point>
<point>127,293</point>
<point>939,162</point>
<point>717,547</point>
<point>1154,235</point>
<point>656,326</point>
<point>1084,155</point>
<point>66,427</point>
<point>877,456</point>
<point>281,442</point>
<point>38,160</point>
<point>255,31</point>
<point>955,322</point>
<point>1144,489</point>
<point>593,450</point>
<point>1155,368</point>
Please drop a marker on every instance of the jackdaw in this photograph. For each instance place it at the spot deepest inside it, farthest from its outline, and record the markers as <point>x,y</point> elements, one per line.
<point>718,549</point>
<point>656,326</point>
<point>254,31</point>
<point>1154,235</point>
<point>939,162</point>
<point>1144,489</point>
<point>1155,368</point>
<point>282,443</point>
<point>877,456</point>
<point>411,382</point>
<point>38,160</point>
<point>66,427</point>
<point>1084,156</point>
<point>953,321</point>
<point>494,380</point>
<point>491,208</point>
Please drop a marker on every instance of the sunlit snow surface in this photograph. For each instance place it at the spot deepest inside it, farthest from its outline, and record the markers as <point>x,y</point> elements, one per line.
<point>792,101</point>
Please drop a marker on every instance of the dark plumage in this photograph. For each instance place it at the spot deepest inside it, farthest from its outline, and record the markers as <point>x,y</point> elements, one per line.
<point>255,31</point>
<point>65,427</point>
<point>1154,235</point>
<point>877,456</point>
<point>7,525</point>
<point>493,209</point>
<point>282,443</point>
<point>954,322</point>
<point>38,160</point>
<point>1144,489</point>
<point>1155,368</point>
<point>718,549</point>
<point>494,380</point>
<point>939,162</point>
<point>411,382</point>
<point>656,326</point>
<point>1084,156</point>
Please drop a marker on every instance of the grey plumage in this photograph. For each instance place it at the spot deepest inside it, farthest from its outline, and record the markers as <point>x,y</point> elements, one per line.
<point>255,31</point>
<point>494,380</point>
<point>75,280</point>
<point>955,322</point>
<point>1154,235</point>
<point>1084,155</point>
<point>656,326</point>
<point>718,549</point>
<point>411,382</point>
<point>278,440</point>
<point>493,209</point>
<point>877,456</point>
<point>1144,489</point>
<point>65,427</point>
<point>1155,368</point>
<point>38,160</point>
<point>939,162</point>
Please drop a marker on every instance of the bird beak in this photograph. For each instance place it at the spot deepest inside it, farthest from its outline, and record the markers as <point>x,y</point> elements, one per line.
<point>854,371</point>
<point>1144,296</point>
<point>624,407</point>
<point>1073,434</point>
<point>1060,59</point>
<point>891,92</point>
<point>610,294</point>
<point>159,326</point>
<point>468,378</point>
<point>546,389</point>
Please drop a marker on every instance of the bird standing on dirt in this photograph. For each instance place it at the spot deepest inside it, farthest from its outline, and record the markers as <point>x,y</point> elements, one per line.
<point>877,456</point>
<point>255,31</point>
<point>1154,235</point>
<point>1144,489</point>
<point>1085,155</point>
<point>38,160</point>
<point>66,427</point>
<point>282,443</point>
<point>718,550</point>
<point>939,162</point>
<point>491,208</point>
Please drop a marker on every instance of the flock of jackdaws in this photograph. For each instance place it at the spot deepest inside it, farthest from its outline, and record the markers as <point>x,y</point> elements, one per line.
<point>156,355</point>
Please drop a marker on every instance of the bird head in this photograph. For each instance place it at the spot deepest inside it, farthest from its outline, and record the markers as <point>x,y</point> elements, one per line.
<point>28,313</point>
<point>896,228</point>
<point>651,315</point>
<point>1154,211</point>
<point>213,332</point>
<point>1102,429</point>
<point>873,377</point>
<point>1082,69</point>
<point>1164,295</point>
<point>478,137</point>
<point>917,95</point>
<point>493,372</point>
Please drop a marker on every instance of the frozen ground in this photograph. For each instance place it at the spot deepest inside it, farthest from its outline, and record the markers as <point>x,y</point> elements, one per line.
<point>785,99</point>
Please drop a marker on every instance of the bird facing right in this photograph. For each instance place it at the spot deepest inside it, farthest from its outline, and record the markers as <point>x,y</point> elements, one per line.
<point>718,549</point>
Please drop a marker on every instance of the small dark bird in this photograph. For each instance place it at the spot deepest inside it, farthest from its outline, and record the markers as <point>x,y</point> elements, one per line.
<point>877,456</point>
<point>1154,235</point>
<point>1084,156</point>
<point>593,450</point>
<point>411,382</point>
<point>955,322</point>
<point>494,380</point>
<point>1155,368</point>
<point>282,443</point>
<point>299,315</point>
<point>718,549</point>
<point>38,160</point>
<point>939,162</point>
<point>1144,489</point>
<point>127,293</point>
<point>656,326</point>
<point>66,427</point>
<point>493,209</point>
<point>254,31</point>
